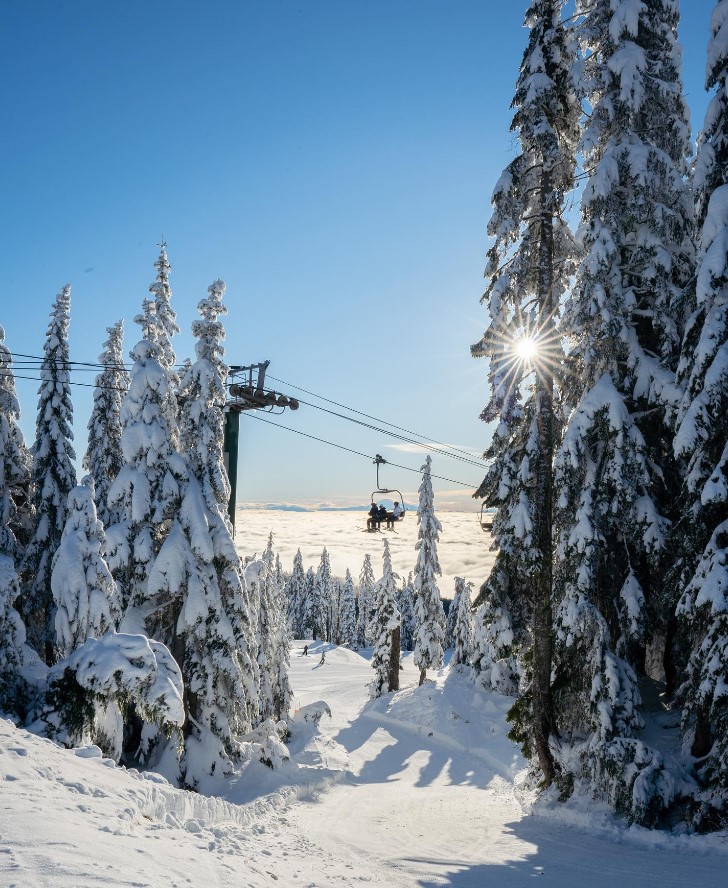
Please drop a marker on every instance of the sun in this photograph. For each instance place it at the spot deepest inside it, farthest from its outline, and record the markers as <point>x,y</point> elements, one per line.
<point>526,349</point>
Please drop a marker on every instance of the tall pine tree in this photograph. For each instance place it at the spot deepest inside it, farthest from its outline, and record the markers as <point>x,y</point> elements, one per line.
<point>365,603</point>
<point>15,463</point>
<point>103,457</point>
<point>148,490</point>
<point>429,615</point>
<point>386,630</point>
<point>701,444</point>
<point>615,474</point>
<point>53,477</point>
<point>84,591</point>
<point>528,265</point>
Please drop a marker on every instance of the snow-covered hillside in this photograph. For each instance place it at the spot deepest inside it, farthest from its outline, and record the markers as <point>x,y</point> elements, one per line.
<point>419,788</point>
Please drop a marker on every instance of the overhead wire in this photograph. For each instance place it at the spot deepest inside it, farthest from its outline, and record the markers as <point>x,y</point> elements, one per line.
<point>418,440</point>
<point>350,450</point>
<point>369,416</point>
<point>455,454</point>
<point>384,431</point>
<point>112,388</point>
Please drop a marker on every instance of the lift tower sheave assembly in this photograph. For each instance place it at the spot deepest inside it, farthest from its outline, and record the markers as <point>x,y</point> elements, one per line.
<point>246,391</point>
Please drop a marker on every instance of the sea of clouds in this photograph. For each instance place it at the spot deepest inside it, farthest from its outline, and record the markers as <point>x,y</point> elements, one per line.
<point>464,549</point>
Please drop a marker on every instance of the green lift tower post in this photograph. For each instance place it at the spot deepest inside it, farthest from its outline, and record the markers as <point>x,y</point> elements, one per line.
<point>246,391</point>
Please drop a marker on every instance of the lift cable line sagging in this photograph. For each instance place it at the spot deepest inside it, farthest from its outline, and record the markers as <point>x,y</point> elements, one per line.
<point>248,394</point>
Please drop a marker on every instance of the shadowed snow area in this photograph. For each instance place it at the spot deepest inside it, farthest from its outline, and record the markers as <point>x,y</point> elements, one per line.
<point>418,788</point>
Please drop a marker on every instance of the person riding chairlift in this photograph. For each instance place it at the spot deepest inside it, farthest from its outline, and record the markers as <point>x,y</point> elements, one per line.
<point>394,515</point>
<point>373,519</point>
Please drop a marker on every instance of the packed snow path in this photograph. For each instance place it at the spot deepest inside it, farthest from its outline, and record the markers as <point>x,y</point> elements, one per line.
<point>429,800</point>
<point>414,789</point>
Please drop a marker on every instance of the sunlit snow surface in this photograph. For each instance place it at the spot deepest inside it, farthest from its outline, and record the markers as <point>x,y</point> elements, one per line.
<point>411,790</point>
<point>463,549</point>
<point>420,788</point>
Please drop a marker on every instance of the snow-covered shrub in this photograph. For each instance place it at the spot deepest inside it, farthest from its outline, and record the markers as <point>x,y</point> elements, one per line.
<point>116,670</point>
<point>632,778</point>
<point>313,712</point>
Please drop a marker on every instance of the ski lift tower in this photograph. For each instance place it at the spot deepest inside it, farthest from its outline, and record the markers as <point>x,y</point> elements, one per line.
<point>246,391</point>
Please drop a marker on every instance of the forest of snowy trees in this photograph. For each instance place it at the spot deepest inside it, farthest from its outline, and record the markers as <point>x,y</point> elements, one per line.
<point>127,617</point>
<point>129,620</point>
<point>607,345</point>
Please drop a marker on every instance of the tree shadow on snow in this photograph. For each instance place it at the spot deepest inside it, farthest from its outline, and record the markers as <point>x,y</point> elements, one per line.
<point>405,742</point>
<point>569,857</point>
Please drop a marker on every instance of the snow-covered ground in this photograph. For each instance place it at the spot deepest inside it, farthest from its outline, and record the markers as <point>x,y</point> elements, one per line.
<point>464,549</point>
<point>415,789</point>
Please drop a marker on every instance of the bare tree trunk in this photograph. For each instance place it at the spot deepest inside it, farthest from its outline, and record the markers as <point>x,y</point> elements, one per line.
<point>393,678</point>
<point>543,712</point>
<point>703,739</point>
<point>422,676</point>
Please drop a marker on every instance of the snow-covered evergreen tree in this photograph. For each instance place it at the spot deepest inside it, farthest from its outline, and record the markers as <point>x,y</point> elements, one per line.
<point>460,637</point>
<point>167,317</point>
<point>347,624</point>
<point>196,600</point>
<point>273,642</point>
<point>202,430</point>
<point>296,596</point>
<point>333,632</point>
<point>451,611</point>
<point>267,627</point>
<point>12,639</point>
<point>148,490</point>
<point>365,603</point>
<point>53,477</point>
<point>386,630</point>
<point>103,458</point>
<point>280,682</point>
<point>322,598</point>
<point>405,605</point>
<point>308,614</point>
<point>529,266</point>
<point>702,534</point>
<point>15,464</point>
<point>84,591</point>
<point>614,472</point>
<point>498,645</point>
<point>429,615</point>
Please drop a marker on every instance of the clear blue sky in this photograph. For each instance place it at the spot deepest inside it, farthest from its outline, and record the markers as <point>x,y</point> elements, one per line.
<point>331,160</point>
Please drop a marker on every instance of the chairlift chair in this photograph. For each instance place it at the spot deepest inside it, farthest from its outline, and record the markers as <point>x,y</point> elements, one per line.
<point>486,518</point>
<point>383,492</point>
